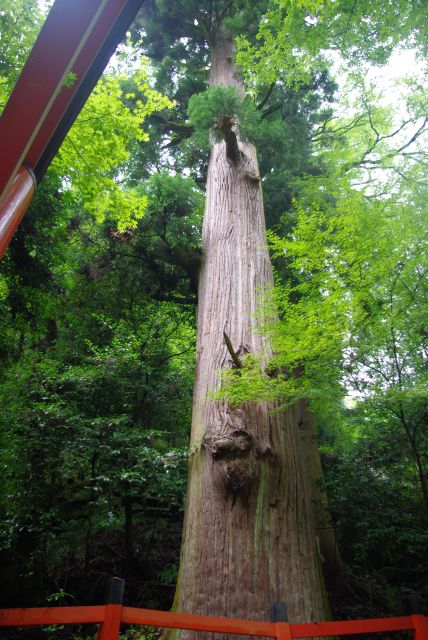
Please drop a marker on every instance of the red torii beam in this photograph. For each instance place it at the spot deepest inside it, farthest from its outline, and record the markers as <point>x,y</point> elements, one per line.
<point>79,37</point>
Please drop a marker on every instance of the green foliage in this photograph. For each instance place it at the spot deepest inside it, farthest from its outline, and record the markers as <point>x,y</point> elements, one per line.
<point>85,440</point>
<point>372,478</point>
<point>293,35</point>
<point>20,22</point>
<point>175,208</point>
<point>33,270</point>
<point>70,79</point>
<point>207,111</point>
<point>140,633</point>
<point>96,394</point>
<point>98,146</point>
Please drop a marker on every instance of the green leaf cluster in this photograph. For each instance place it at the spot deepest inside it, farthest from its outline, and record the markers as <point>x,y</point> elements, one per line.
<point>95,152</point>
<point>208,109</point>
<point>293,36</point>
<point>20,21</point>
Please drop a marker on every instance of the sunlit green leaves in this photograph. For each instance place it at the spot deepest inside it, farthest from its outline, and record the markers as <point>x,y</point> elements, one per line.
<point>93,156</point>
<point>20,21</point>
<point>293,34</point>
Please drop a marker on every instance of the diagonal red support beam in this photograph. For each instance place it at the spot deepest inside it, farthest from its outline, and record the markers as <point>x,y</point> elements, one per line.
<point>108,30</point>
<point>60,42</point>
<point>79,36</point>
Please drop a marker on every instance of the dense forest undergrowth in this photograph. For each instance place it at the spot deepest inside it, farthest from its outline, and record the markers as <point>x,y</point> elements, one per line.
<point>98,295</point>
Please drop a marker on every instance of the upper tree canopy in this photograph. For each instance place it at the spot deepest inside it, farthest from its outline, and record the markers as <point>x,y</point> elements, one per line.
<point>281,46</point>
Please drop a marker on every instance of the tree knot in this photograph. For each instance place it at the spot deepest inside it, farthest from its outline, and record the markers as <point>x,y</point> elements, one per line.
<point>237,443</point>
<point>234,455</point>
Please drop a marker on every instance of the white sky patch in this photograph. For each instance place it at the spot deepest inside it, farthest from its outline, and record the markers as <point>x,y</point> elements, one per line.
<point>388,88</point>
<point>403,64</point>
<point>45,5</point>
<point>350,402</point>
<point>124,59</point>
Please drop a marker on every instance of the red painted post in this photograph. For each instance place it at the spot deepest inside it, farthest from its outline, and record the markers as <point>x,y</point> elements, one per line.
<point>109,629</point>
<point>283,631</point>
<point>15,203</point>
<point>420,624</point>
<point>279,616</point>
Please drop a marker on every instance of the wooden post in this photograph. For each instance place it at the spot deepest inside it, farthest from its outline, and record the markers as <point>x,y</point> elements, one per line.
<point>110,627</point>
<point>420,624</point>
<point>412,607</point>
<point>278,615</point>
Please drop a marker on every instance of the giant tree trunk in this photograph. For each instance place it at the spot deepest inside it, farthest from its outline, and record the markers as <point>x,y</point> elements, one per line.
<point>249,535</point>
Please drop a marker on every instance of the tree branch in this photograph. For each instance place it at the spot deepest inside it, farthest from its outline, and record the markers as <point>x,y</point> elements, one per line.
<point>205,29</point>
<point>261,104</point>
<point>235,358</point>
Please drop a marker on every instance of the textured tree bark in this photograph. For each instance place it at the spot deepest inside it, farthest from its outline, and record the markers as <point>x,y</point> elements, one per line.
<point>333,568</point>
<point>249,533</point>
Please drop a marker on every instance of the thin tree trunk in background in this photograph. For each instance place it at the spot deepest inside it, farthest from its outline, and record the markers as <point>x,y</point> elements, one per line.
<point>411,438</point>
<point>249,533</point>
<point>92,498</point>
<point>128,535</point>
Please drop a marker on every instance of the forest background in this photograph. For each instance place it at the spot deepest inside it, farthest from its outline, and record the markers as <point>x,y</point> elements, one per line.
<point>98,296</point>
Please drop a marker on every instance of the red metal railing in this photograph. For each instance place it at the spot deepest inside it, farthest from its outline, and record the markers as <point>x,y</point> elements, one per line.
<point>111,616</point>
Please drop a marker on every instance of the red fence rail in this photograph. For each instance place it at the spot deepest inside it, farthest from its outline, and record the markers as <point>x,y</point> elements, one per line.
<point>113,614</point>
